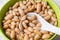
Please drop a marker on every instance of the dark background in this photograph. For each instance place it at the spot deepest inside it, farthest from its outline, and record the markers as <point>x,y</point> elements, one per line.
<point>57,38</point>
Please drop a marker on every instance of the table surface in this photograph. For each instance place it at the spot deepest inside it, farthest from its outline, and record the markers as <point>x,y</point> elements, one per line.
<point>56,38</point>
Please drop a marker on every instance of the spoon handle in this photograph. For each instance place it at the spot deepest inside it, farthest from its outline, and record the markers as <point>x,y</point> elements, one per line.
<point>51,28</point>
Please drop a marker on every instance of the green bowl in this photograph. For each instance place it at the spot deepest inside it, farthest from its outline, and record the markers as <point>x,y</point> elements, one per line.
<point>10,3</point>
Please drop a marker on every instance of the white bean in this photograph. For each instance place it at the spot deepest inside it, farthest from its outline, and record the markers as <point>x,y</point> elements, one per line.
<point>30,29</point>
<point>26,37</point>
<point>12,35</point>
<point>46,36</point>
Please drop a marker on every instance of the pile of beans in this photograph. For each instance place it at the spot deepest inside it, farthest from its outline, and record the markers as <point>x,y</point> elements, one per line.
<point>19,26</point>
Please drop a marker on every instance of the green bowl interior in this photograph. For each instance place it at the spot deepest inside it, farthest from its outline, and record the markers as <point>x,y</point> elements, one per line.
<point>12,2</point>
<point>57,12</point>
<point>2,14</point>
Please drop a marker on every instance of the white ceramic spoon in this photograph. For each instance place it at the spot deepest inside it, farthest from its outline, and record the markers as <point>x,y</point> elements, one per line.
<point>45,25</point>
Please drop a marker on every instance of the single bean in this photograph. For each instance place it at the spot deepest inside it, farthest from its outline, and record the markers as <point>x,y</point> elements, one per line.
<point>12,35</point>
<point>46,36</point>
